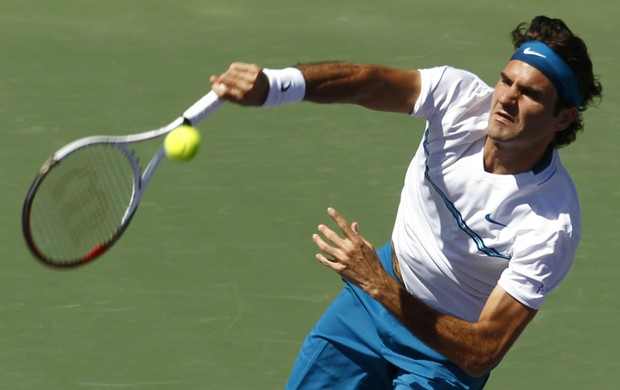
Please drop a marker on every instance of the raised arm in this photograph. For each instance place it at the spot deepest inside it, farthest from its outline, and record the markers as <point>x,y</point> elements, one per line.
<point>372,86</point>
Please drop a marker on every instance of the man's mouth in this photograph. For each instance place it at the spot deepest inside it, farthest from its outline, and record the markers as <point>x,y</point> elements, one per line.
<point>504,116</point>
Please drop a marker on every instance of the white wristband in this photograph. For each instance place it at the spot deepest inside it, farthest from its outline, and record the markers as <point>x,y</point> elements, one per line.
<point>285,86</point>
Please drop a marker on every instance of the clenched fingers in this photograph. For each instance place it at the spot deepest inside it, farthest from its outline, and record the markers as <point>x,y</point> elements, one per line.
<point>243,84</point>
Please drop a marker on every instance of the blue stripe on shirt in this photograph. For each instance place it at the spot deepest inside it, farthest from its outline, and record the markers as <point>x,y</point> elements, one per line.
<point>492,252</point>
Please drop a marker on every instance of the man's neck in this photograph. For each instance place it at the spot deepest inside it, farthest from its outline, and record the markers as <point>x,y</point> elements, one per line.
<point>501,160</point>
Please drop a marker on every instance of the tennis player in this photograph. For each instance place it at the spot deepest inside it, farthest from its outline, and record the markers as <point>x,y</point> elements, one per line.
<point>488,222</point>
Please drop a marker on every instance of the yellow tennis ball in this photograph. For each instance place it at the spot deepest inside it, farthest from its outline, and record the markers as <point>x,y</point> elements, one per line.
<point>182,143</point>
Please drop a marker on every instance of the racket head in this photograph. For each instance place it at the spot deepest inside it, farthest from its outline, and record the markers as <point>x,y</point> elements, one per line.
<point>81,202</point>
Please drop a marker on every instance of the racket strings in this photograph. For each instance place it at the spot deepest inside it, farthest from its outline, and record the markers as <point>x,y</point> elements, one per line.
<point>81,202</point>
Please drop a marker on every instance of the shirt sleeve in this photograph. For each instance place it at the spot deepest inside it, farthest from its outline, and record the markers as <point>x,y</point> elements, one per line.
<point>539,268</point>
<point>446,88</point>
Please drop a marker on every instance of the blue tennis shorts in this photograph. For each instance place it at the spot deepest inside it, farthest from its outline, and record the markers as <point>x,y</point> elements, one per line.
<point>358,344</point>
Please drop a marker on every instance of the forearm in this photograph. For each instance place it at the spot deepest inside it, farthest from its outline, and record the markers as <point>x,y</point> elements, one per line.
<point>476,347</point>
<point>371,86</point>
<point>456,339</point>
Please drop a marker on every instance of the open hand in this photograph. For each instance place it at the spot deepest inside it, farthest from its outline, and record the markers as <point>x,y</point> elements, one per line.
<point>351,256</point>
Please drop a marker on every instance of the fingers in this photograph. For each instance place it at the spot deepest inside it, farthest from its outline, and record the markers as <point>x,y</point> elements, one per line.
<point>344,227</point>
<point>324,247</point>
<point>330,255</point>
<point>242,83</point>
<point>338,247</point>
<point>342,223</point>
<point>217,87</point>
<point>331,235</point>
<point>330,263</point>
<point>351,256</point>
<point>355,227</point>
<point>334,246</point>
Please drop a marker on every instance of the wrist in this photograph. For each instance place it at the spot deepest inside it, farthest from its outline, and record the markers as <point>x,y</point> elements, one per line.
<point>285,86</point>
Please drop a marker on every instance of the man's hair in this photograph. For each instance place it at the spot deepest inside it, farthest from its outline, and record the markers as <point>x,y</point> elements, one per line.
<point>555,34</point>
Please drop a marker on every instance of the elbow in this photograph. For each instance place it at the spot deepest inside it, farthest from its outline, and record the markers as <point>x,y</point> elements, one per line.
<point>483,353</point>
<point>477,370</point>
<point>480,363</point>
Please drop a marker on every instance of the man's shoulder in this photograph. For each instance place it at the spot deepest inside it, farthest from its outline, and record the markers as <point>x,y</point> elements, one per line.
<point>447,72</point>
<point>446,87</point>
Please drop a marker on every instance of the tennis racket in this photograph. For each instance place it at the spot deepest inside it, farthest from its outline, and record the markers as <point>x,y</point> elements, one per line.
<point>86,194</point>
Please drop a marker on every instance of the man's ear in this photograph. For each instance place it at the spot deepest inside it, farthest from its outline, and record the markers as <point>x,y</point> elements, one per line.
<point>565,118</point>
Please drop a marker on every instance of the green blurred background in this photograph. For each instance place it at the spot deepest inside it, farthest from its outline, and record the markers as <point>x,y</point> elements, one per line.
<point>214,286</point>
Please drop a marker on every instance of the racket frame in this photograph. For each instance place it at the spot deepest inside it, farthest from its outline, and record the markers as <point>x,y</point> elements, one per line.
<point>193,115</point>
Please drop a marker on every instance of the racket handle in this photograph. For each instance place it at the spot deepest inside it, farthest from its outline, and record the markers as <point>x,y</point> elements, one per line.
<point>202,108</point>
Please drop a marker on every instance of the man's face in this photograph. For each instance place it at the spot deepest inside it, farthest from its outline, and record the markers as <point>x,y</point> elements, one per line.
<point>522,109</point>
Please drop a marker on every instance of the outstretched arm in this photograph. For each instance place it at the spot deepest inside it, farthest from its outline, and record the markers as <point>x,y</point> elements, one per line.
<point>476,347</point>
<point>372,86</point>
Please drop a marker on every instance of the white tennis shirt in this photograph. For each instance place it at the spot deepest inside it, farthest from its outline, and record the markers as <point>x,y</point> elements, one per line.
<point>460,230</point>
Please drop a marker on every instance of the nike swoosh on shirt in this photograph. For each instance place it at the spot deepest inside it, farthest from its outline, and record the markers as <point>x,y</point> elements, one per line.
<point>529,51</point>
<point>488,218</point>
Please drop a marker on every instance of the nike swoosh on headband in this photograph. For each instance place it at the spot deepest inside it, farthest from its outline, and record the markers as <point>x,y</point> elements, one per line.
<point>528,50</point>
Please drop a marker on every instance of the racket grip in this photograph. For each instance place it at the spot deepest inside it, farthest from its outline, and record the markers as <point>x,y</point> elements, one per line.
<point>202,108</point>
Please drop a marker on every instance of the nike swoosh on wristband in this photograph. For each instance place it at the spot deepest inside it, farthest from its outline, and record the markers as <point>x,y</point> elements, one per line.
<point>488,218</point>
<point>531,52</point>
<point>285,86</point>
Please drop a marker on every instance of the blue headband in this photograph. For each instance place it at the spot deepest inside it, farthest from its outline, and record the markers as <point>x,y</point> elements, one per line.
<point>543,58</point>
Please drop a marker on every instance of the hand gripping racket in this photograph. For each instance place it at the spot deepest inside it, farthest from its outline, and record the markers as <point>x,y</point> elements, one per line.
<point>85,195</point>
